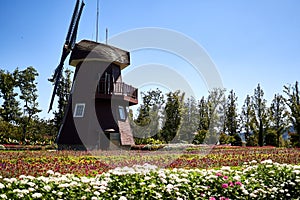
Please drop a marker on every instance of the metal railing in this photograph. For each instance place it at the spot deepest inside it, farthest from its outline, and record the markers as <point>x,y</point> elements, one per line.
<point>118,88</point>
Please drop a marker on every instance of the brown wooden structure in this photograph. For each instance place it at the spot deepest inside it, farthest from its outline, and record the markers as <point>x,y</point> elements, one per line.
<point>111,100</point>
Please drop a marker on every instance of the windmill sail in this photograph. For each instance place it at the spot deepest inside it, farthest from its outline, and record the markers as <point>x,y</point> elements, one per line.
<point>67,47</point>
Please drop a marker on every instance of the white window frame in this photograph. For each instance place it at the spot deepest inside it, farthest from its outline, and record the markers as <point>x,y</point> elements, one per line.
<point>77,106</point>
<point>122,114</point>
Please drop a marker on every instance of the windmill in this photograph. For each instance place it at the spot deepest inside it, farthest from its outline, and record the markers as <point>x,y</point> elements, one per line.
<point>96,115</point>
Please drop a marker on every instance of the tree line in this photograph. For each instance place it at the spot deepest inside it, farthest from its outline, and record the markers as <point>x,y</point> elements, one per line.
<point>165,118</point>
<point>161,118</point>
<point>19,120</point>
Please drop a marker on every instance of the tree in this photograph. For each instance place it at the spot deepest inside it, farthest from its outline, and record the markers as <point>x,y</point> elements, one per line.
<point>28,88</point>
<point>10,110</point>
<point>231,121</point>
<point>190,120</point>
<point>148,121</point>
<point>173,116</point>
<point>278,118</point>
<point>260,111</point>
<point>203,114</point>
<point>246,118</point>
<point>293,102</point>
<point>216,113</point>
<point>63,92</point>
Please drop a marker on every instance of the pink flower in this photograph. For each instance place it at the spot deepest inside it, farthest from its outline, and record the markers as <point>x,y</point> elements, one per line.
<point>212,198</point>
<point>218,174</point>
<point>231,184</point>
<point>238,183</point>
<point>224,185</point>
<point>225,177</point>
<point>223,198</point>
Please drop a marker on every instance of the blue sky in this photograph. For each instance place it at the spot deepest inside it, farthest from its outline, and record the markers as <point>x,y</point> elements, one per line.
<point>250,42</point>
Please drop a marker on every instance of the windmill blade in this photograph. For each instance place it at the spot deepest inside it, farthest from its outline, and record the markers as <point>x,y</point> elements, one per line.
<point>54,90</point>
<point>73,21</point>
<point>74,34</point>
<point>57,74</point>
<point>68,46</point>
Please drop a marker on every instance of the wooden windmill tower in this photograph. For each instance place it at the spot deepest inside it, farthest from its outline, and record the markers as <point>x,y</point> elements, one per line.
<point>96,116</point>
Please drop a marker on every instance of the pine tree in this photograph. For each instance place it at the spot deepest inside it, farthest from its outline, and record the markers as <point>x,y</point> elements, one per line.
<point>10,110</point>
<point>231,121</point>
<point>203,115</point>
<point>173,116</point>
<point>190,120</point>
<point>216,113</point>
<point>28,88</point>
<point>293,102</point>
<point>147,123</point>
<point>260,110</point>
<point>278,117</point>
<point>246,118</point>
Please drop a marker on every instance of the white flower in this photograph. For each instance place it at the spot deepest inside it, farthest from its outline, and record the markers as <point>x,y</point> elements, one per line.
<point>94,198</point>
<point>225,168</point>
<point>37,195</point>
<point>253,195</point>
<point>253,162</point>
<point>64,185</point>
<point>60,193</point>
<point>31,184</point>
<point>3,196</point>
<point>245,192</point>
<point>236,178</point>
<point>122,198</point>
<point>47,188</point>
<point>96,193</point>
<point>267,161</point>
<point>2,186</point>
<point>83,198</point>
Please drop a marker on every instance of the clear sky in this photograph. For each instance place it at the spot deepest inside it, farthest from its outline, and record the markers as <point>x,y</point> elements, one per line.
<point>250,42</point>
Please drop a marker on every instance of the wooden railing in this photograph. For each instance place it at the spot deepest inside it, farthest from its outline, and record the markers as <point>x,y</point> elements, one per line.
<point>118,88</point>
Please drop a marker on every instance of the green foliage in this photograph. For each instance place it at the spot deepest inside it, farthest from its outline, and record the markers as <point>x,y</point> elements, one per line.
<point>200,137</point>
<point>203,115</point>
<point>293,102</point>
<point>63,92</point>
<point>9,133</point>
<point>260,110</point>
<point>10,110</point>
<point>190,121</point>
<point>148,121</point>
<point>231,121</point>
<point>278,118</point>
<point>216,114</point>
<point>147,141</point>
<point>247,117</point>
<point>252,141</point>
<point>173,116</point>
<point>225,139</point>
<point>271,138</point>
<point>26,81</point>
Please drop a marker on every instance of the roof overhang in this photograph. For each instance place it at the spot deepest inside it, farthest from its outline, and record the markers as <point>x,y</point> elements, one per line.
<point>86,50</point>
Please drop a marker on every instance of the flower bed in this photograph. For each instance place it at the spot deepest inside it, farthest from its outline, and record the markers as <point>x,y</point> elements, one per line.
<point>82,163</point>
<point>265,180</point>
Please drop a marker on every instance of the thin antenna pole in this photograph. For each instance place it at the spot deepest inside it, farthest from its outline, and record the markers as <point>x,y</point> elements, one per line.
<point>106,35</point>
<point>97,21</point>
